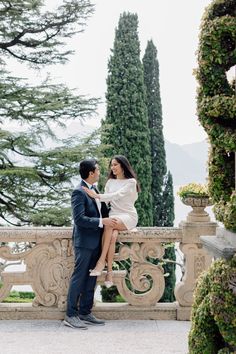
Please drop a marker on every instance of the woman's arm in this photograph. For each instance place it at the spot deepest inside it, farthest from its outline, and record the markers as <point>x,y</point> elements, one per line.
<point>94,194</point>
<point>129,187</point>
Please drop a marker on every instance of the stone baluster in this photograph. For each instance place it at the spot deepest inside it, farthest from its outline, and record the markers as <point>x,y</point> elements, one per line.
<point>196,258</point>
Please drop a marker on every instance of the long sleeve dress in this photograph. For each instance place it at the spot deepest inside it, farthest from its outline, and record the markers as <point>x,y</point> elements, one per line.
<point>122,194</point>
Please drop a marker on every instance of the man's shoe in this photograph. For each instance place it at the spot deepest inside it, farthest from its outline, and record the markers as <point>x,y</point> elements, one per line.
<point>74,322</point>
<point>90,319</point>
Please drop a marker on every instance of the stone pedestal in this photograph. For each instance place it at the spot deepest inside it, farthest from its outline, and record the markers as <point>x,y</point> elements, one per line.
<point>198,204</point>
<point>196,258</point>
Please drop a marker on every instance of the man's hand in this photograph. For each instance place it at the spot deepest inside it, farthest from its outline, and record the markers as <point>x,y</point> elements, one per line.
<point>109,222</point>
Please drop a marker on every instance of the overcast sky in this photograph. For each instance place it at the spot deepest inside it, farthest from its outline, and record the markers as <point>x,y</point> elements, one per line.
<point>174,28</point>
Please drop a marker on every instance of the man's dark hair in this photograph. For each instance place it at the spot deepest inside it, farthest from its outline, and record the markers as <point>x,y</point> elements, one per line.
<point>87,166</point>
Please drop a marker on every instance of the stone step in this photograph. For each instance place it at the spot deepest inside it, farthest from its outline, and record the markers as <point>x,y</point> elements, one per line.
<point>107,311</point>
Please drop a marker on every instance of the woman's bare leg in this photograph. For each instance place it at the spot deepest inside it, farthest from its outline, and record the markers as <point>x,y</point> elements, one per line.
<point>106,242</point>
<point>111,251</point>
<point>106,239</point>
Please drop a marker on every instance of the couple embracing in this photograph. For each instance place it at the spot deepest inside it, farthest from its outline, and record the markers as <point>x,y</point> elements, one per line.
<point>95,232</point>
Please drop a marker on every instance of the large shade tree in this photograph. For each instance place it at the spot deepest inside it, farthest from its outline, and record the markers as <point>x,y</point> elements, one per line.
<point>35,181</point>
<point>125,129</point>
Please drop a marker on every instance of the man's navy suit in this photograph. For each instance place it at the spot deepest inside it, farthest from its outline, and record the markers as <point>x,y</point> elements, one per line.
<point>87,248</point>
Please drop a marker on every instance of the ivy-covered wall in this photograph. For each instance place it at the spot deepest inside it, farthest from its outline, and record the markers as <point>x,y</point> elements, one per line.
<point>216,104</point>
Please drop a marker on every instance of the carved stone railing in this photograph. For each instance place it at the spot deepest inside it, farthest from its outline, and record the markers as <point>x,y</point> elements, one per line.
<point>49,263</point>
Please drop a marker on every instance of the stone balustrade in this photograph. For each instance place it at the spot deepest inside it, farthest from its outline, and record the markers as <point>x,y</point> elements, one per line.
<point>49,263</point>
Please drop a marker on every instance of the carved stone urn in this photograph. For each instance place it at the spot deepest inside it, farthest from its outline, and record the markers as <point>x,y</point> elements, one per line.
<point>198,204</point>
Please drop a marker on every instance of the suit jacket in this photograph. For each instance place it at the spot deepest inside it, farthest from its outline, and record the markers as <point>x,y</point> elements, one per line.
<point>86,231</point>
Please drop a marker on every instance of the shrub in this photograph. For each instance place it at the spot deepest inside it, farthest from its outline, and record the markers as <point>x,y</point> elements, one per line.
<point>216,103</point>
<point>111,295</point>
<point>214,310</point>
<point>193,190</point>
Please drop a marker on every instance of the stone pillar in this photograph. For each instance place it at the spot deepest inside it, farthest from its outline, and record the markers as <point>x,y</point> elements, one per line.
<point>196,259</point>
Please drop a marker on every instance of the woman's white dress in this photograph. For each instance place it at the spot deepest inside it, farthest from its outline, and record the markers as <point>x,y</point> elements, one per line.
<point>122,194</point>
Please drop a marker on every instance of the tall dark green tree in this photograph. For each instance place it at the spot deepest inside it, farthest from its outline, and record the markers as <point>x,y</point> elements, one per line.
<point>162,184</point>
<point>35,182</point>
<point>168,215</point>
<point>154,107</point>
<point>125,129</point>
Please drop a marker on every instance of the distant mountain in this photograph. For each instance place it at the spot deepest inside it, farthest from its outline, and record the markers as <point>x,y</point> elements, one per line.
<point>198,151</point>
<point>187,163</point>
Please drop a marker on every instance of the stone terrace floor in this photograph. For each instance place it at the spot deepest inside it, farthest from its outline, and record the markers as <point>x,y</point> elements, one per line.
<point>124,337</point>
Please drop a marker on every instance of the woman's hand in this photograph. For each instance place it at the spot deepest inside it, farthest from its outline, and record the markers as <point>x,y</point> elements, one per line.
<point>91,193</point>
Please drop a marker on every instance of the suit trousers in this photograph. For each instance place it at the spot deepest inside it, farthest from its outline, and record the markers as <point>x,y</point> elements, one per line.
<point>81,289</point>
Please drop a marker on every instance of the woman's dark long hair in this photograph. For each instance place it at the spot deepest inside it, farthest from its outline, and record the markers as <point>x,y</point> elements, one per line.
<point>125,165</point>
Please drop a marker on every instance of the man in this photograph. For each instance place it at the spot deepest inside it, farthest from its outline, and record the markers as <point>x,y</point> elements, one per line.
<point>89,217</point>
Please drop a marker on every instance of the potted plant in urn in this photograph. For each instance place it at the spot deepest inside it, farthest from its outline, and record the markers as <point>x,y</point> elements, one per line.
<point>196,195</point>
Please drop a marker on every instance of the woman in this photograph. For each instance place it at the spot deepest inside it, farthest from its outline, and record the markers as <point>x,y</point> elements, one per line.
<point>121,191</point>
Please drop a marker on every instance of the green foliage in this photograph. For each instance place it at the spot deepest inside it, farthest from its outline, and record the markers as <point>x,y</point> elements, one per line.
<point>125,130</point>
<point>162,184</point>
<point>19,297</point>
<point>111,295</point>
<point>39,192</point>
<point>193,190</point>
<point>154,107</point>
<point>216,101</point>
<point>214,310</point>
<point>226,212</point>
<point>31,34</point>
<point>169,271</point>
<point>33,177</point>
<point>167,213</point>
<point>221,174</point>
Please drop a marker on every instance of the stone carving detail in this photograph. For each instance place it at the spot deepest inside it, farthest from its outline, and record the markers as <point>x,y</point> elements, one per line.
<point>49,263</point>
<point>144,276</point>
<point>198,205</point>
<point>48,269</point>
<point>139,252</point>
<point>196,260</point>
<point>199,265</point>
<point>51,269</point>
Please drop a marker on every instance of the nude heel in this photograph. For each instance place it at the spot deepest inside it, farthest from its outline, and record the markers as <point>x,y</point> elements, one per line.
<point>108,283</point>
<point>95,272</point>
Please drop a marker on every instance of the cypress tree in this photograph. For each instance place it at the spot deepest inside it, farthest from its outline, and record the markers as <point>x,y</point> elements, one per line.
<point>170,278</point>
<point>125,129</point>
<point>162,184</point>
<point>158,155</point>
<point>168,214</point>
<point>168,220</point>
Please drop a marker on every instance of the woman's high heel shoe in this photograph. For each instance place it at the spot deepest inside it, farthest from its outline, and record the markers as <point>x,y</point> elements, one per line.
<point>95,272</point>
<point>108,283</point>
